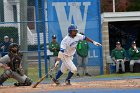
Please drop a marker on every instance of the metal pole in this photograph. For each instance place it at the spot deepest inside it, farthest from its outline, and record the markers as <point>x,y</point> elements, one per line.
<point>44,36</point>
<point>18,19</point>
<point>38,38</point>
<point>113,5</point>
<point>23,32</point>
<point>100,38</point>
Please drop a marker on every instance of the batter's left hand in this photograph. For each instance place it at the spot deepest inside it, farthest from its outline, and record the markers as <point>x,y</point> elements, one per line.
<point>97,44</point>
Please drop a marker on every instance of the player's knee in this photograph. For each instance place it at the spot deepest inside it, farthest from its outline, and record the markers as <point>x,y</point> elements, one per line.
<point>63,71</point>
<point>74,70</point>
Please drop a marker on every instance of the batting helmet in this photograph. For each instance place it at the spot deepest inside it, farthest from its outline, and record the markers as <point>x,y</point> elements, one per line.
<point>71,28</point>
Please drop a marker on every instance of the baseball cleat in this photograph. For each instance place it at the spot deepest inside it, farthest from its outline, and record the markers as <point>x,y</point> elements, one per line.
<point>55,81</point>
<point>67,82</point>
<point>78,75</point>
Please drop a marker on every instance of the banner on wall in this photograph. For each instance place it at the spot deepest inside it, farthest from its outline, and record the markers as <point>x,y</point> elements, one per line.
<point>83,13</point>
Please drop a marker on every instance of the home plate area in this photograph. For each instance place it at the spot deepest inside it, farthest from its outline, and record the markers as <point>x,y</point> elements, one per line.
<point>81,85</point>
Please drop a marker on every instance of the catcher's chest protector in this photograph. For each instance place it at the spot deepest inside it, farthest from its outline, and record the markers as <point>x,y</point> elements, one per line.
<point>15,61</point>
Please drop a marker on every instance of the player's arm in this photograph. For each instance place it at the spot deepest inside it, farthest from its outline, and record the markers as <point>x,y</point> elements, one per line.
<point>50,47</point>
<point>113,56</point>
<point>92,41</point>
<point>2,62</point>
<point>58,47</point>
<point>60,55</point>
<point>83,37</point>
<point>1,65</point>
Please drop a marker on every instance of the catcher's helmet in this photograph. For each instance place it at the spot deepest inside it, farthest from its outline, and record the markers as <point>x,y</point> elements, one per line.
<point>71,28</point>
<point>12,45</point>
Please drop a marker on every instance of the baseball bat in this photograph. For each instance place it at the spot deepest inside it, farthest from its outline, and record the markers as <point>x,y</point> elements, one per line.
<point>35,85</point>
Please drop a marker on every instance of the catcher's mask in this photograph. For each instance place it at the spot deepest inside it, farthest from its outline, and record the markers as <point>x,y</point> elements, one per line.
<point>13,48</point>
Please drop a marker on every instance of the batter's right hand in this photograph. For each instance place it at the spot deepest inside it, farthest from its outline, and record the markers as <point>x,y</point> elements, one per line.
<point>56,64</point>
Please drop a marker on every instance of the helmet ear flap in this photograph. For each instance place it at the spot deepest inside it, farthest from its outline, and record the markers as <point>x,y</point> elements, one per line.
<point>70,31</point>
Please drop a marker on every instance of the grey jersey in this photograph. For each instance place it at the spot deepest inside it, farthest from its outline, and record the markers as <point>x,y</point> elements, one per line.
<point>5,59</point>
<point>13,63</point>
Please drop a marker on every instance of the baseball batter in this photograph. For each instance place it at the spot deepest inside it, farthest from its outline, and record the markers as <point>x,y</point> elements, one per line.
<point>12,67</point>
<point>67,50</point>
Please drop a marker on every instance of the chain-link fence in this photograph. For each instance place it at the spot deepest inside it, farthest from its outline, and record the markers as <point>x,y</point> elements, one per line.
<point>21,21</point>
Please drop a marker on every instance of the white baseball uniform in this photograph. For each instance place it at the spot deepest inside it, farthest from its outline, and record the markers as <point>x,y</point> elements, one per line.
<point>69,44</point>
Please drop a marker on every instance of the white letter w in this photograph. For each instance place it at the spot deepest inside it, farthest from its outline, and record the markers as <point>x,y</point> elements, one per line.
<point>65,18</point>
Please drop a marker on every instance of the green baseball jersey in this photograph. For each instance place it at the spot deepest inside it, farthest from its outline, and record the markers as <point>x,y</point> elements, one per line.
<point>133,54</point>
<point>118,53</point>
<point>54,47</point>
<point>82,48</point>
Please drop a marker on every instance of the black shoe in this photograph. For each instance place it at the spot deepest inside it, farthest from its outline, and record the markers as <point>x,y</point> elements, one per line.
<point>55,81</point>
<point>87,74</point>
<point>67,82</point>
<point>78,75</point>
<point>21,84</point>
<point>17,84</point>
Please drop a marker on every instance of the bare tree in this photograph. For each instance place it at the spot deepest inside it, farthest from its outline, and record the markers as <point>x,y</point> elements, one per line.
<point>120,5</point>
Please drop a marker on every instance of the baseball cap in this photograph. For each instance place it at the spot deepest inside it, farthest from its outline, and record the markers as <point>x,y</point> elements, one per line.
<point>118,43</point>
<point>54,36</point>
<point>6,37</point>
<point>134,42</point>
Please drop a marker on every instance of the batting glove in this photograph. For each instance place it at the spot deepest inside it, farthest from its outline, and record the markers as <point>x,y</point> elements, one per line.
<point>56,64</point>
<point>96,43</point>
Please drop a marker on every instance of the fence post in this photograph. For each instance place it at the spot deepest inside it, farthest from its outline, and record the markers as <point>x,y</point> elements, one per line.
<point>38,38</point>
<point>23,32</point>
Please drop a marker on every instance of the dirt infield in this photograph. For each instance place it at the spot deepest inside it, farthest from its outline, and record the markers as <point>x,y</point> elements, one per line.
<point>117,84</point>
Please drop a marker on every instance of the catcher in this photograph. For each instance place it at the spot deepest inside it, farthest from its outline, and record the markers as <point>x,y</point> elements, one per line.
<point>11,63</point>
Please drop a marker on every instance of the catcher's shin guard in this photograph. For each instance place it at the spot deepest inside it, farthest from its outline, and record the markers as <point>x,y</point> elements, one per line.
<point>27,82</point>
<point>5,76</point>
<point>2,79</point>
